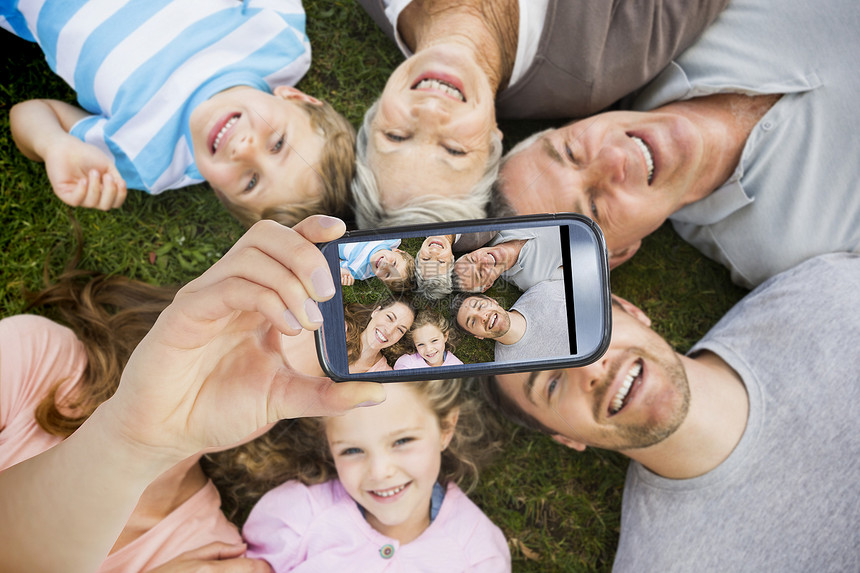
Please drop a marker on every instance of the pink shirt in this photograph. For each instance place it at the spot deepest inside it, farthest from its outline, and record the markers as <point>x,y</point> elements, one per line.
<point>415,361</point>
<point>320,528</point>
<point>36,353</point>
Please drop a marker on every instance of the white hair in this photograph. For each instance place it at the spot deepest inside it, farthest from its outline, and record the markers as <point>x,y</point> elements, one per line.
<point>370,214</point>
<point>434,287</point>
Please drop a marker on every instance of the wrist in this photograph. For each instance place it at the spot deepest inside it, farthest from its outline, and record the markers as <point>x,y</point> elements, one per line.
<point>108,431</point>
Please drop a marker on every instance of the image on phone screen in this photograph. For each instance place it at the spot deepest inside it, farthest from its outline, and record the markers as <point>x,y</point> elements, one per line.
<point>509,295</point>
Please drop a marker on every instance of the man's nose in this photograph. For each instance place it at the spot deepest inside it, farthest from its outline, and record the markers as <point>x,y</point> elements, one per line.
<point>608,168</point>
<point>589,377</point>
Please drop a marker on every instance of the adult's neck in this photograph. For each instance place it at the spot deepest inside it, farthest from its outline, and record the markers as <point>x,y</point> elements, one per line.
<point>512,251</point>
<point>725,121</point>
<point>487,29</point>
<point>715,422</point>
<point>517,329</point>
<point>170,490</point>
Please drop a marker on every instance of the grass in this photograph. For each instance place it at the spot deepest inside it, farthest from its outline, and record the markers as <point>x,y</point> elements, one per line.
<point>559,509</point>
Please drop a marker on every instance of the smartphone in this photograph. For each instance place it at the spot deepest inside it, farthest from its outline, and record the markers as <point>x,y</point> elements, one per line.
<point>446,300</point>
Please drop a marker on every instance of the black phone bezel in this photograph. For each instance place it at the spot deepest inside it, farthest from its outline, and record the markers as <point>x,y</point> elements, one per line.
<point>333,308</point>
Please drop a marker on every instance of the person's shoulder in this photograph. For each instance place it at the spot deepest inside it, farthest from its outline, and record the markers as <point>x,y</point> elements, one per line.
<point>38,343</point>
<point>313,497</point>
<point>23,325</point>
<point>548,288</point>
<point>463,518</point>
<point>470,528</point>
<point>294,503</point>
<point>413,360</point>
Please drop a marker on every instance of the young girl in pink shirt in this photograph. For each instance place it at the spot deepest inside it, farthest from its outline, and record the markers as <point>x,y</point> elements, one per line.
<point>434,342</point>
<point>376,489</point>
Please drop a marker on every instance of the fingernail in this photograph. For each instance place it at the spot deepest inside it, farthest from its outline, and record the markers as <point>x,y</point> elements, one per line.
<point>313,311</point>
<point>292,320</point>
<point>327,222</point>
<point>322,281</point>
<point>367,403</point>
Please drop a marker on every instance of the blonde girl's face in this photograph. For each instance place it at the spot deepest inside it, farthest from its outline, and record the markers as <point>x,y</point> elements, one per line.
<point>430,343</point>
<point>388,459</point>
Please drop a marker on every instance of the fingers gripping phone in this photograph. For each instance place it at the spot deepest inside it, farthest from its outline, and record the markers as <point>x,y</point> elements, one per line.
<point>463,298</point>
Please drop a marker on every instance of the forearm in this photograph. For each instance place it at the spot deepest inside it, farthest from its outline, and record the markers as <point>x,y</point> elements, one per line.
<point>36,124</point>
<point>64,509</point>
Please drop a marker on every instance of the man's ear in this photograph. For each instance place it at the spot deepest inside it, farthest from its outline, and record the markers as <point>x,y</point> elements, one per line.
<point>448,425</point>
<point>618,256</point>
<point>632,310</point>
<point>289,92</point>
<point>568,442</point>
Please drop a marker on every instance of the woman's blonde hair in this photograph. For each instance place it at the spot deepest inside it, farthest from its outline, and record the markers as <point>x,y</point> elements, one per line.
<point>298,449</point>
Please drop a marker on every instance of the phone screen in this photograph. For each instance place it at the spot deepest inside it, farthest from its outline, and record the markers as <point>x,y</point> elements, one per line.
<point>498,296</point>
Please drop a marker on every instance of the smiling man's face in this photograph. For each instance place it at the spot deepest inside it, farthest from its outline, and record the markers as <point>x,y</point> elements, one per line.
<point>483,317</point>
<point>626,170</point>
<point>635,396</point>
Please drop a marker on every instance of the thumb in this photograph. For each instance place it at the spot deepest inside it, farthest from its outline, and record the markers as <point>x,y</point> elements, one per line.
<point>296,395</point>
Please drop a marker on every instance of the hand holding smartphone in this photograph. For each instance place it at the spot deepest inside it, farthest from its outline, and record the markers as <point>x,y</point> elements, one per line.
<point>493,296</point>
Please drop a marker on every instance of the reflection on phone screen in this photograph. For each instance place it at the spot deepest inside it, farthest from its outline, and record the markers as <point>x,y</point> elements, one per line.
<point>447,300</point>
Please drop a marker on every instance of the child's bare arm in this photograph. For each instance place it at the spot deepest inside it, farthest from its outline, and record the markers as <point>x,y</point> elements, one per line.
<point>81,174</point>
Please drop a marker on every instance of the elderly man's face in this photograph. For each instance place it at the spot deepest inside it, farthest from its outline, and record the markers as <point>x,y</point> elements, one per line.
<point>626,170</point>
<point>635,396</point>
<point>477,271</point>
<point>433,131</point>
<point>483,317</point>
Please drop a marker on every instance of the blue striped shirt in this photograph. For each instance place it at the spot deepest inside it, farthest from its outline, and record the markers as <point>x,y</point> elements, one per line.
<point>355,257</point>
<point>140,67</point>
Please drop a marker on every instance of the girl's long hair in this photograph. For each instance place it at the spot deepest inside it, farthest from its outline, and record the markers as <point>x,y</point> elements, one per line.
<point>298,449</point>
<point>110,315</point>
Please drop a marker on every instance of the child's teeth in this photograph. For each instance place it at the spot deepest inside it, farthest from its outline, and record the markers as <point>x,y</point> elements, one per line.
<point>223,130</point>
<point>389,492</point>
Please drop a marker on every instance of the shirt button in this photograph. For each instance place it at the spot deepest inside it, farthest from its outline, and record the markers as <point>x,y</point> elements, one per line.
<point>387,551</point>
<point>767,125</point>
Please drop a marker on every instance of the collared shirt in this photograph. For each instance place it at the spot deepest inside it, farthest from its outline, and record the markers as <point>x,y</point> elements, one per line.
<point>539,259</point>
<point>796,191</point>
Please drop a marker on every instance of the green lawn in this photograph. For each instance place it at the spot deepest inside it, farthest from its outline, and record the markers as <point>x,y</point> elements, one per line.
<point>559,509</point>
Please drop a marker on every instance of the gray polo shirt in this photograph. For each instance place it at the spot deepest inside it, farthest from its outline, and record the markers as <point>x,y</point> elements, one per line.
<point>540,257</point>
<point>796,191</point>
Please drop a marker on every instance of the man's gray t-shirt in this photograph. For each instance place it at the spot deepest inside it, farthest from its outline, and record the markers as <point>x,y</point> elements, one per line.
<point>546,333</point>
<point>787,498</point>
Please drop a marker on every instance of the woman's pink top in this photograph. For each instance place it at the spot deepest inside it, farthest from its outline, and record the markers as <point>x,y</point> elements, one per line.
<point>36,353</point>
